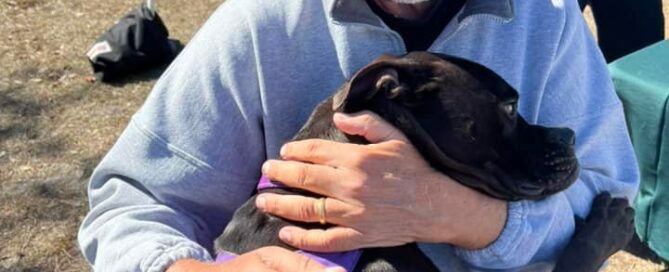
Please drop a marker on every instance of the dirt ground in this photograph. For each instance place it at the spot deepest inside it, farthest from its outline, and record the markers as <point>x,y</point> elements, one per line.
<point>55,125</point>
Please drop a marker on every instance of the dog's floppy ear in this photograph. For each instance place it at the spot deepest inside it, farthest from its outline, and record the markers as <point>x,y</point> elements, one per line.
<point>381,74</point>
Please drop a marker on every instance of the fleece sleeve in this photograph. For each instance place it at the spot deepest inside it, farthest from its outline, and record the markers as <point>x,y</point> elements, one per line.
<point>164,191</point>
<point>578,94</point>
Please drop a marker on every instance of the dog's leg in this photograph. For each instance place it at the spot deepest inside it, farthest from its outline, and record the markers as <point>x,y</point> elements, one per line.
<point>608,228</point>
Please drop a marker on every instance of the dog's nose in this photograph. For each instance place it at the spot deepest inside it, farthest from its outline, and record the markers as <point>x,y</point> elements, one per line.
<point>561,136</point>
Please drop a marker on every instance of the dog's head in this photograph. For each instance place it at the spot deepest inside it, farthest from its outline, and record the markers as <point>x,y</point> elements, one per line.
<point>463,119</point>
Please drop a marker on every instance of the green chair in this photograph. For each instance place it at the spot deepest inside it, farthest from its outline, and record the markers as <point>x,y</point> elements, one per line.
<point>642,82</point>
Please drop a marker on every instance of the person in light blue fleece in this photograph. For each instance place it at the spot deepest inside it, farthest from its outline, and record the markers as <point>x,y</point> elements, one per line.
<point>251,76</point>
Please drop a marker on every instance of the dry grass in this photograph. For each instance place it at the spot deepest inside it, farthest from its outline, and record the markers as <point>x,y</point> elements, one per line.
<point>55,125</point>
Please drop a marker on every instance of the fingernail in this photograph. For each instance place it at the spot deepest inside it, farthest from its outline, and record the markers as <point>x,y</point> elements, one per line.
<point>265,168</point>
<point>335,269</point>
<point>282,152</point>
<point>347,124</point>
<point>341,116</point>
<point>285,235</point>
<point>261,202</point>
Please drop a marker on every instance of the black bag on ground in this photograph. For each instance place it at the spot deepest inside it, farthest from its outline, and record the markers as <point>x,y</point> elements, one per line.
<point>137,42</point>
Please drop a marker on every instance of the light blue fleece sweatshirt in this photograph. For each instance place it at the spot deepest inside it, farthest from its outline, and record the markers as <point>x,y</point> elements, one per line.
<point>248,80</point>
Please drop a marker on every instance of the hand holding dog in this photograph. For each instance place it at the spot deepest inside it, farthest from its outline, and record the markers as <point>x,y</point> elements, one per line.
<point>379,195</point>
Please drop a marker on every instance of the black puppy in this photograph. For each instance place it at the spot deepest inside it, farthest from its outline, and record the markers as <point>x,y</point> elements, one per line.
<point>463,119</point>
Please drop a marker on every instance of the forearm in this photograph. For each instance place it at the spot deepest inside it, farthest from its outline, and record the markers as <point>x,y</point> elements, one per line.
<point>149,208</point>
<point>189,157</point>
<point>534,230</point>
<point>484,225</point>
<point>117,236</point>
<point>474,220</point>
<point>491,233</point>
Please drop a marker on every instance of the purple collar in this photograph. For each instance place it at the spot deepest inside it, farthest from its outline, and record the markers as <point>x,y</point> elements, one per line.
<point>346,260</point>
<point>266,183</point>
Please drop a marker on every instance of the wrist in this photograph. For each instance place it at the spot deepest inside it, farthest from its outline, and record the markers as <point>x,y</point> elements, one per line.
<point>484,225</point>
<point>461,216</point>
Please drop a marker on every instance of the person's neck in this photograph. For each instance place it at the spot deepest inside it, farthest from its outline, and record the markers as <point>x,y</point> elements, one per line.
<point>406,11</point>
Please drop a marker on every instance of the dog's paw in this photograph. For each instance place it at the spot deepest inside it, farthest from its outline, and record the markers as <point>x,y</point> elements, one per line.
<point>608,228</point>
<point>610,224</point>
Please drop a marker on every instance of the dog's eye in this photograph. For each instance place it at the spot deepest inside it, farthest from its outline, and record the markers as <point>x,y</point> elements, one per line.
<point>510,109</point>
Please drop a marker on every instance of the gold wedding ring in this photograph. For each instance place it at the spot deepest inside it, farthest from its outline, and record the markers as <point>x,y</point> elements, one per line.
<point>320,210</point>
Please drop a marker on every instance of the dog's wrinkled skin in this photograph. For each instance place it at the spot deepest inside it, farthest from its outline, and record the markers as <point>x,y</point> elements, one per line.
<point>463,119</point>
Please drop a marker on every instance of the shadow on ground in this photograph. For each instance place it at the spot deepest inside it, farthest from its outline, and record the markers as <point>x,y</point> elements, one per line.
<point>641,250</point>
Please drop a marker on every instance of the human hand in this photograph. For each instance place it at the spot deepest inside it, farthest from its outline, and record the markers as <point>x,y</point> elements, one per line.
<point>379,195</point>
<point>274,259</point>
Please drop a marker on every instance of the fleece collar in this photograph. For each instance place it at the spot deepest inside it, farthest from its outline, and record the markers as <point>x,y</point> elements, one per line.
<point>357,11</point>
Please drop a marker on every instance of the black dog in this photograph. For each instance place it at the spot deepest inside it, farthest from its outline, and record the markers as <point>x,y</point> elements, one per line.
<point>463,119</point>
